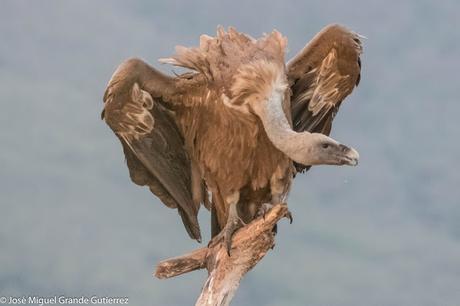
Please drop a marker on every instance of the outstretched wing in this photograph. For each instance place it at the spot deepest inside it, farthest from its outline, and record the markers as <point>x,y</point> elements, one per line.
<point>152,143</point>
<point>321,76</point>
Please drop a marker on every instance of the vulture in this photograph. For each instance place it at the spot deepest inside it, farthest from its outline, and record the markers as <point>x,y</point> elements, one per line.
<point>231,133</point>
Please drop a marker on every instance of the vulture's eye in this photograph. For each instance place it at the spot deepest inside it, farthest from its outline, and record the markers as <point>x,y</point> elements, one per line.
<point>325,145</point>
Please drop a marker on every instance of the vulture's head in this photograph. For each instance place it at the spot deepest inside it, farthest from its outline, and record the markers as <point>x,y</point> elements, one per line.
<point>318,149</point>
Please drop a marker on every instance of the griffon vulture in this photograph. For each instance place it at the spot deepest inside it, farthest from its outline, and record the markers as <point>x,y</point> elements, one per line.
<point>232,133</point>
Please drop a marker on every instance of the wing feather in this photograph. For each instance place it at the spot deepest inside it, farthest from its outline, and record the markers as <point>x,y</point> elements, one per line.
<point>151,140</point>
<point>321,76</point>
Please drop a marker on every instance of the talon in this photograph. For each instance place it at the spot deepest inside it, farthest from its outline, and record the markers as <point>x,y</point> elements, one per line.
<point>233,224</point>
<point>289,216</point>
<point>228,246</point>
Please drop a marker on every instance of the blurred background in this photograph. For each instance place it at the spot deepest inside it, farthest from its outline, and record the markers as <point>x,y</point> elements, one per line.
<point>72,222</point>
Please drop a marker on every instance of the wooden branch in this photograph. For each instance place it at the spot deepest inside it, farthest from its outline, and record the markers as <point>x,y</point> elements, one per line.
<point>250,244</point>
<point>182,264</point>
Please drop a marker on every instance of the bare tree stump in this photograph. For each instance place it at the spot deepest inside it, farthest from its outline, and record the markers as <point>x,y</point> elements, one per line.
<point>250,244</point>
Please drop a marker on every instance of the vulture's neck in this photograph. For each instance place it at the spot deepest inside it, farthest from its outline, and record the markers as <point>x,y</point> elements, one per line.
<point>295,145</point>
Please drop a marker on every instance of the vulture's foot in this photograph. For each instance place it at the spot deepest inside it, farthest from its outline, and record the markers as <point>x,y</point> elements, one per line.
<point>264,208</point>
<point>233,224</point>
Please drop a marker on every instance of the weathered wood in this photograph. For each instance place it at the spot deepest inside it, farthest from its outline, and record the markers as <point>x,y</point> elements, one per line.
<point>250,244</point>
<point>182,264</point>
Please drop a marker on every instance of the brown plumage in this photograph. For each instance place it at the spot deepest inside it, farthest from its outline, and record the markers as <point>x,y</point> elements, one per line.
<point>321,76</point>
<point>225,130</point>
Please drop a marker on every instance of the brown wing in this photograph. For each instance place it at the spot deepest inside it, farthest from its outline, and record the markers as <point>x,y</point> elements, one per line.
<point>321,76</point>
<point>152,143</point>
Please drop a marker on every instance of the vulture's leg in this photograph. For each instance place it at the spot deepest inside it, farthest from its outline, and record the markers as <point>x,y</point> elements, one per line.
<point>234,222</point>
<point>278,190</point>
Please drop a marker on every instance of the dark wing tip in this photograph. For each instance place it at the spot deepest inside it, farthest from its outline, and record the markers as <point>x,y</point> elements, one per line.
<point>191,225</point>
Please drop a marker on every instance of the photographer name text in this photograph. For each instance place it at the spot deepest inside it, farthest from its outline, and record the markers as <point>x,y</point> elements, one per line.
<point>63,300</point>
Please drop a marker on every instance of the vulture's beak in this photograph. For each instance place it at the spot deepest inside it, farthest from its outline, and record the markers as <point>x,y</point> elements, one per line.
<point>350,156</point>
